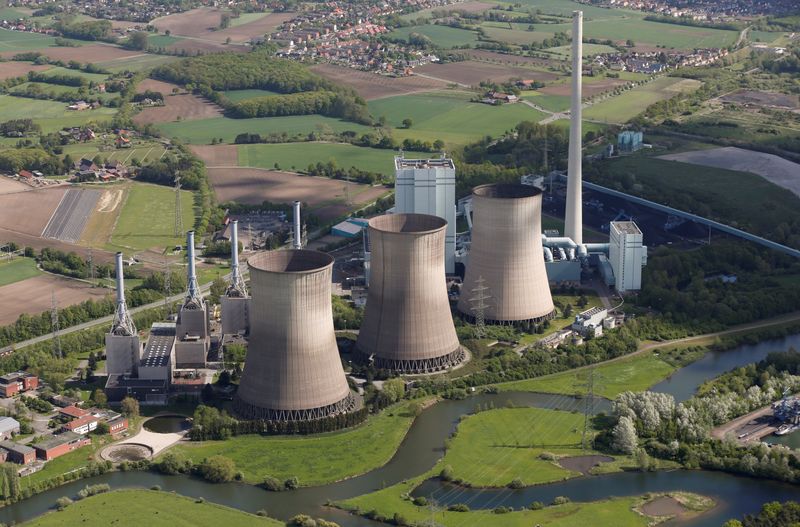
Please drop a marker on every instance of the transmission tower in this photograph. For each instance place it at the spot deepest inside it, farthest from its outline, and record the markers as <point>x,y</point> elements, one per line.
<point>178,212</point>
<point>588,408</point>
<point>167,286</point>
<point>55,326</point>
<point>478,306</point>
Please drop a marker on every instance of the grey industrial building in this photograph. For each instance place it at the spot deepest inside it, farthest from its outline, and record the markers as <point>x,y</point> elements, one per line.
<point>408,326</point>
<point>192,327</point>
<point>123,349</point>
<point>293,371</point>
<point>236,302</point>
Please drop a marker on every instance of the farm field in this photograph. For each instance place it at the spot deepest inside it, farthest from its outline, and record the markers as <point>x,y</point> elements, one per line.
<point>162,509</point>
<point>316,459</point>
<point>324,196</point>
<point>161,41</point>
<point>17,270</point>
<point>147,218</point>
<point>627,106</point>
<point>12,42</point>
<point>36,293</point>
<point>469,7</point>
<point>373,86</point>
<point>251,25</point>
<point>589,50</point>
<point>591,86</point>
<point>554,103</point>
<point>85,52</point>
<point>450,116</point>
<point>202,25</point>
<point>516,34</point>
<point>297,156</point>
<point>58,70</point>
<point>50,115</point>
<point>100,226</point>
<point>12,69</point>
<point>183,106</point>
<point>29,211</point>
<point>472,72</point>
<point>70,217</point>
<point>137,63</point>
<point>58,89</point>
<point>202,131</point>
<point>442,36</point>
<point>143,151</point>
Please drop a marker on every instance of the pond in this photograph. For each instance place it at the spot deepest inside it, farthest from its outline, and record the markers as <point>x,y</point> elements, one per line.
<point>168,424</point>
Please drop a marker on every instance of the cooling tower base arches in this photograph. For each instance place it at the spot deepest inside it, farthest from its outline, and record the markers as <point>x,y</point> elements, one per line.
<point>420,366</point>
<point>251,412</point>
<point>538,320</point>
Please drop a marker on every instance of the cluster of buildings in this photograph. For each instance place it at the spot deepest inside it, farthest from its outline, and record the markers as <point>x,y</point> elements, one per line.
<point>704,10</point>
<point>21,25</point>
<point>88,170</point>
<point>655,62</point>
<point>12,384</point>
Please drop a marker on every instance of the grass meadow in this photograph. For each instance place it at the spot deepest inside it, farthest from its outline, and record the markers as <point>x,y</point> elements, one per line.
<point>19,41</point>
<point>631,103</point>
<point>50,115</point>
<point>17,270</point>
<point>442,36</point>
<point>297,156</point>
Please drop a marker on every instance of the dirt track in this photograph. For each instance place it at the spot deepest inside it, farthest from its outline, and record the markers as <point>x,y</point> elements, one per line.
<point>33,295</point>
<point>373,86</point>
<point>186,106</point>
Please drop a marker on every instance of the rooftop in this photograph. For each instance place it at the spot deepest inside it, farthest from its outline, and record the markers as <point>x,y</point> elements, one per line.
<point>75,423</point>
<point>15,447</point>
<point>437,162</point>
<point>73,411</point>
<point>8,424</point>
<point>625,227</point>
<point>159,345</point>
<point>121,381</point>
<point>57,440</point>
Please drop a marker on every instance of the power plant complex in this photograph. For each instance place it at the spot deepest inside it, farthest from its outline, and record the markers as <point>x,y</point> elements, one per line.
<point>293,371</point>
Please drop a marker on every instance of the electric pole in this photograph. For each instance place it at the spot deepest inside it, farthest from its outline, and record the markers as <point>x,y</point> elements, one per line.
<point>478,306</point>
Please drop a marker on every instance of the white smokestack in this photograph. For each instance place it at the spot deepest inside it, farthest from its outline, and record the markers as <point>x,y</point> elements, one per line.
<point>194,290</point>
<point>120,281</point>
<point>573,221</point>
<point>123,323</point>
<point>297,242</point>
<point>236,287</point>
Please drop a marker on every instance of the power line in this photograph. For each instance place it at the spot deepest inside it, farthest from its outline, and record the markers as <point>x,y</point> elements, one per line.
<point>478,306</point>
<point>55,325</point>
<point>178,211</point>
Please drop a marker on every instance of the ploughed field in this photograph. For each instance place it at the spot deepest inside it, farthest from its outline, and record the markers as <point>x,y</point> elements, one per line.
<point>185,106</point>
<point>374,86</point>
<point>34,295</point>
<point>472,72</point>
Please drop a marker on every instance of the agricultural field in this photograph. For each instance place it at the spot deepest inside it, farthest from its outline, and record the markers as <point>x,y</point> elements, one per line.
<point>589,50</point>
<point>57,89</point>
<point>37,292</point>
<point>161,509</point>
<point>12,42</point>
<point>147,218</point>
<point>143,62</point>
<point>201,25</point>
<point>161,41</point>
<point>471,73</point>
<point>622,108</point>
<point>314,460</point>
<point>17,269</point>
<point>450,116</point>
<point>514,33</point>
<point>143,151</point>
<point>548,101</point>
<point>91,77</point>
<point>202,131</point>
<point>50,115</point>
<point>469,7</point>
<point>441,36</point>
<point>297,156</point>
<point>374,86</point>
<point>69,219</point>
<point>100,226</point>
<point>85,52</point>
<point>647,35</point>
<point>28,211</point>
<point>12,69</point>
<point>177,107</point>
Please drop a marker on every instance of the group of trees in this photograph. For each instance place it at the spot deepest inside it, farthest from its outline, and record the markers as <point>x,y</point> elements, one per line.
<point>87,30</point>
<point>19,128</point>
<point>330,170</point>
<point>335,104</point>
<point>773,514</point>
<point>13,160</point>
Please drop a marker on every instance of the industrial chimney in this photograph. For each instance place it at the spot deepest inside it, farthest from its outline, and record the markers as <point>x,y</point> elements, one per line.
<point>407,324</point>
<point>506,271</point>
<point>573,221</point>
<point>193,292</point>
<point>297,242</point>
<point>236,288</point>
<point>235,303</point>
<point>122,342</point>
<point>192,326</point>
<point>293,371</point>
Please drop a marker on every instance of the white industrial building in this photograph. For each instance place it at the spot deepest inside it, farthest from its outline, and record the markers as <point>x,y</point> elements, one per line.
<point>428,186</point>
<point>627,255</point>
<point>158,359</point>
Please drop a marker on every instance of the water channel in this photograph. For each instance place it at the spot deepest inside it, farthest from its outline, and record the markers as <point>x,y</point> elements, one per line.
<point>424,444</point>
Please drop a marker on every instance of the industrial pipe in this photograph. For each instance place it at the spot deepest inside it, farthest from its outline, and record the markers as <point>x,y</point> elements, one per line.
<point>297,242</point>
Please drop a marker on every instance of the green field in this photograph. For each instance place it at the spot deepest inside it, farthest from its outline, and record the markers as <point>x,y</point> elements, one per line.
<point>202,131</point>
<point>566,7</point>
<point>58,70</point>
<point>634,374</point>
<point>246,18</point>
<point>17,269</point>
<point>317,459</point>
<point>241,95</point>
<point>59,89</point>
<point>589,50</point>
<point>297,156</point>
<point>19,41</point>
<point>50,115</point>
<point>515,33</point>
<point>442,36</point>
<point>450,116</point>
<point>140,150</point>
<point>66,463</point>
<point>554,103</point>
<point>147,219</point>
<point>9,13</point>
<point>622,108</point>
<point>161,41</point>
<point>151,508</point>
<point>140,63</point>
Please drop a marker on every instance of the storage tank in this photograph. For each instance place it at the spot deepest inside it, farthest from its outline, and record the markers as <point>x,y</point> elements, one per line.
<point>292,370</point>
<point>506,255</point>
<point>408,326</point>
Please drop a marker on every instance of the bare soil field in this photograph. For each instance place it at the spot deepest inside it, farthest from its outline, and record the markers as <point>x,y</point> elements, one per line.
<point>193,23</point>
<point>777,170</point>
<point>185,105</point>
<point>88,53</point>
<point>34,295</point>
<point>11,186</point>
<point>193,46</point>
<point>589,88</point>
<point>663,506</point>
<point>472,72</point>
<point>28,212</point>
<point>101,223</point>
<point>202,25</point>
<point>217,155</point>
<point>763,98</point>
<point>19,69</point>
<point>583,464</point>
<point>502,58</point>
<point>373,86</point>
<point>38,243</point>
<point>255,185</point>
<point>257,28</point>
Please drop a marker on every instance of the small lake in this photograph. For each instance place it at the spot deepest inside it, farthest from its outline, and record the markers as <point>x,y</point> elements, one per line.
<point>168,424</point>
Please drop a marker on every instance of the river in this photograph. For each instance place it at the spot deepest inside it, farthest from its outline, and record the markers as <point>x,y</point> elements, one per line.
<point>424,444</point>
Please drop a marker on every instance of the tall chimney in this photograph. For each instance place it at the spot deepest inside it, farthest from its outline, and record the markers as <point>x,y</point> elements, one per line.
<point>573,221</point>
<point>123,323</point>
<point>237,287</point>
<point>193,293</point>
<point>297,242</point>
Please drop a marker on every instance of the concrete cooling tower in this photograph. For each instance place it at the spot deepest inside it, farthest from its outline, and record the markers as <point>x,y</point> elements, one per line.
<point>292,371</point>
<point>408,326</point>
<point>505,270</point>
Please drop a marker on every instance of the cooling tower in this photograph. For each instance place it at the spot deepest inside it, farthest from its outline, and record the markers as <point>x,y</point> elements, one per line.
<point>292,371</point>
<point>573,218</point>
<point>506,269</point>
<point>408,326</point>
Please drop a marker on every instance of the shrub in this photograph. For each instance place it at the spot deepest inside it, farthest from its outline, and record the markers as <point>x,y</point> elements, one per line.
<point>63,502</point>
<point>399,519</point>
<point>261,512</point>
<point>272,484</point>
<point>447,473</point>
<point>548,456</point>
<point>560,500</point>
<point>516,483</point>
<point>217,469</point>
<point>536,506</point>
<point>459,507</point>
<point>502,510</point>
<point>420,501</point>
<point>155,487</point>
<point>291,483</point>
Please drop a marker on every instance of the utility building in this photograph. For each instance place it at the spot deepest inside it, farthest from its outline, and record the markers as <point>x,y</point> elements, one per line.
<point>192,332</point>
<point>235,303</point>
<point>158,358</point>
<point>122,342</point>
<point>627,255</point>
<point>428,186</point>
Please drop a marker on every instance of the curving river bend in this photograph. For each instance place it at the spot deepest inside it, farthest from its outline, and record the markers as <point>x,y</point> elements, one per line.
<point>424,444</point>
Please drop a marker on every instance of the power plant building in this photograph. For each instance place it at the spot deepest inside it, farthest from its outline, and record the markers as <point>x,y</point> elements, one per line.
<point>159,357</point>
<point>235,303</point>
<point>428,186</point>
<point>573,219</point>
<point>506,271</point>
<point>292,371</point>
<point>192,327</point>
<point>123,350</point>
<point>627,255</point>
<point>408,326</point>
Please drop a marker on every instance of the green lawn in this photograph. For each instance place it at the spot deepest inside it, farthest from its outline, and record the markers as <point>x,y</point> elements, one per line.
<point>631,374</point>
<point>442,36</point>
<point>16,270</point>
<point>246,18</point>
<point>202,131</point>
<point>450,116</point>
<point>96,77</point>
<point>50,115</point>
<point>140,63</point>
<point>631,103</point>
<point>317,459</point>
<point>508,443</point>
<point>241,95</point>
<point>161,41</point>
<point>20,41</point>
<point>300,155</point>
<point>151,508</point>
<point>147,219</point>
